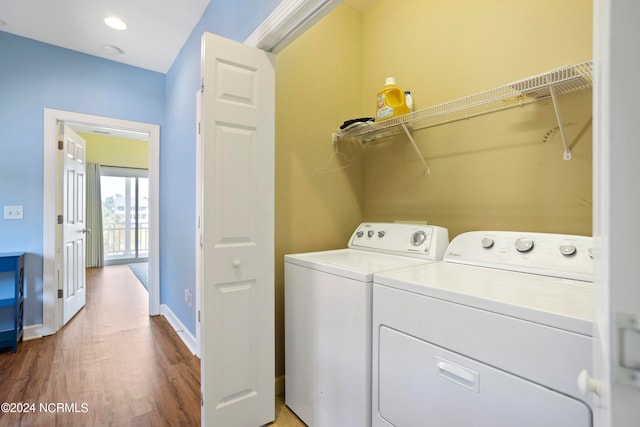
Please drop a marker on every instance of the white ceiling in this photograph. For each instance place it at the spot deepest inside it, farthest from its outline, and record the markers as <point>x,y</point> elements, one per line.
<point>157,29</point>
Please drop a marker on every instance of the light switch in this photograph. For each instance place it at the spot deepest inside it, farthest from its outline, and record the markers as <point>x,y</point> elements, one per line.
<point>13,212</point>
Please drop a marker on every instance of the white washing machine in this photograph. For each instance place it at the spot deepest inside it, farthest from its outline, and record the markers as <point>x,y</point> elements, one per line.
<point>328,319</point>
<point>496,335</point>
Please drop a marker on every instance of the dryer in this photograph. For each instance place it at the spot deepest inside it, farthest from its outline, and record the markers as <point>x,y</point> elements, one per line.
<point>328,318</point>
<point>496,335</point>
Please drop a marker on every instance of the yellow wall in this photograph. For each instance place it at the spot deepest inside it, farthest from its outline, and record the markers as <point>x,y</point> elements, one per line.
<point>492,172</point>
<point>318,194</point>
<point>111,151</point>
<point>500,171</point>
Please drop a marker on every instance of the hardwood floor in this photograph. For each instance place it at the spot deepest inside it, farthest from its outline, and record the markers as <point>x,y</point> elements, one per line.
<point>111,365</point>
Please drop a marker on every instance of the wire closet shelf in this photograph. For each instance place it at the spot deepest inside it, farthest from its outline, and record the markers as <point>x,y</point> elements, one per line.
<point>536,88</point>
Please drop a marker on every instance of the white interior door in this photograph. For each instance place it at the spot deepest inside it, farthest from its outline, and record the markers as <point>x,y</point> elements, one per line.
<point>616,386</point>
<point>71,289</point>
<point>238,234</point>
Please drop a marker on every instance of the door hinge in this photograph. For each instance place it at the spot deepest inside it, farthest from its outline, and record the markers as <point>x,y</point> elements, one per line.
<point>60,145</point>
<point>628,360</point>
<point>60,293</point>
<point>60,219</point>
<point>198,316</point>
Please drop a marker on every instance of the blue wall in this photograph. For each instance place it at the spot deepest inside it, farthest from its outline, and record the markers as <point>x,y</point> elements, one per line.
<point>34,76</point>
<point>233,19</point>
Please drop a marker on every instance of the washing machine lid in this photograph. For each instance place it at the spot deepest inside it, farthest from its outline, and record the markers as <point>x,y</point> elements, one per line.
<point>355,264</point>
<point>561,303</point>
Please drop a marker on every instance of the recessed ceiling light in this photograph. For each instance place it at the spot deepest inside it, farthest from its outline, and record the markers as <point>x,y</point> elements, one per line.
<point>115,23</point>
<point>114,50</point>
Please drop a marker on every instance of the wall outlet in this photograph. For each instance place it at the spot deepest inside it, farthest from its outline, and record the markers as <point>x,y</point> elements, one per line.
<point>13,212</point>
<point>187,296</point>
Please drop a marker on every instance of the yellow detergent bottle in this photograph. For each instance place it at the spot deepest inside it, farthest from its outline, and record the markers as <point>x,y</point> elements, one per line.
<point>391,101</point>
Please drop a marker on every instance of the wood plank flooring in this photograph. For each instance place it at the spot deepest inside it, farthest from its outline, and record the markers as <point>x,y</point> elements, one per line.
<point>111,365</point>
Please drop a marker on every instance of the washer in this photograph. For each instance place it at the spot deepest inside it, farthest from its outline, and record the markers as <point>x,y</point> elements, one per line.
<point>328,318</point>
<point>496,335</point>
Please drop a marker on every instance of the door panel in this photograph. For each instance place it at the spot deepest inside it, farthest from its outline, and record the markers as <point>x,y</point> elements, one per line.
<point>237,224</point>
<point>238,343</point>
<point>236,185</point>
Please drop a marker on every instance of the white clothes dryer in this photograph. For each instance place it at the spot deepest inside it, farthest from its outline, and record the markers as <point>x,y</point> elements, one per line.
<point>496,335</point>
<point>328,319</point>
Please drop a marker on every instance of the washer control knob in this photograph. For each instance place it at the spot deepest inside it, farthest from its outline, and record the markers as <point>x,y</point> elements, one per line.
<point>568,249</point>
<point>370,233</point>
<point>524,244</point>
<point>487,242</point>
<point>360,233</point>
<point>418,238</point>
<point>381,234</point>
<point>590,252</point>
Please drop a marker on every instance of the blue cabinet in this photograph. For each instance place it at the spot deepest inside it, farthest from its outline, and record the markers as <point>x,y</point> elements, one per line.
<point>11,299</point>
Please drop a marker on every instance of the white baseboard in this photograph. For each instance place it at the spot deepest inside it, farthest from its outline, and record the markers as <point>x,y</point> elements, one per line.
<point>32,332</point>
<point>187,338</point>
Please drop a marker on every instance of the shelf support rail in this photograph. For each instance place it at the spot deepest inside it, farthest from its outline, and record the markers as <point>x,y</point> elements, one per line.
<point>427,171</point>
<point>567,150</point>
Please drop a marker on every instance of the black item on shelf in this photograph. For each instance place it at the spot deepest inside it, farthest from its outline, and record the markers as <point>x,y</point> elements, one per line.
<point>348,123</point>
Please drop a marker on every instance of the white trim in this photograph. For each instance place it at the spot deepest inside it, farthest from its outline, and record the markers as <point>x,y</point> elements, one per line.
<point>32,332</point>
<point>50,191</point>
<point>198,229</point>
<point>187,338</point>
<point>50,306</point>
<point>289,20</point>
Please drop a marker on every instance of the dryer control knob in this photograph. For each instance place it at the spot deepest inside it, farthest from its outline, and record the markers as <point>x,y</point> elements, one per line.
<point>590,252</point>
<point>381,234</point>
<point>524,244</point>
<point>567,250</point>
<point>418,238</point>
<point>360,233</point>
<point>370,233</point>
<point>487,242</point>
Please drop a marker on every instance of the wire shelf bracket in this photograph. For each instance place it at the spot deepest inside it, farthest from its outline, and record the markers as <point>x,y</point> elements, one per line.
<point>427,171</point>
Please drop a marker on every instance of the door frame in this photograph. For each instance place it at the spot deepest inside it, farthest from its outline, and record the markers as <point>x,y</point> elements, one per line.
<point>50,306</point>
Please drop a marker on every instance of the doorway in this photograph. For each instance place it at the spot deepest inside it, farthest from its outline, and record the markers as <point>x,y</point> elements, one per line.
<point>51,266</point>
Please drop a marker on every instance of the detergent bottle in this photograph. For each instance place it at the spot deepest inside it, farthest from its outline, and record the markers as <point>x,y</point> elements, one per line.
<point>391,101</point>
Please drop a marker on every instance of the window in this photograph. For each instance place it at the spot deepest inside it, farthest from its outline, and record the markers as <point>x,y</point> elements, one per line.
<point>125,214</point>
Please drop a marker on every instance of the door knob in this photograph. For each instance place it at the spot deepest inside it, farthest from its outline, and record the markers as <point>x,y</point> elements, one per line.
<point>85,230</point>
<point>236,263</point>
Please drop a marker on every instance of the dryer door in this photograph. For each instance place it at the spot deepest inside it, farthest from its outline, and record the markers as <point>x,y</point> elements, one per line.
<point>422,384</point>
